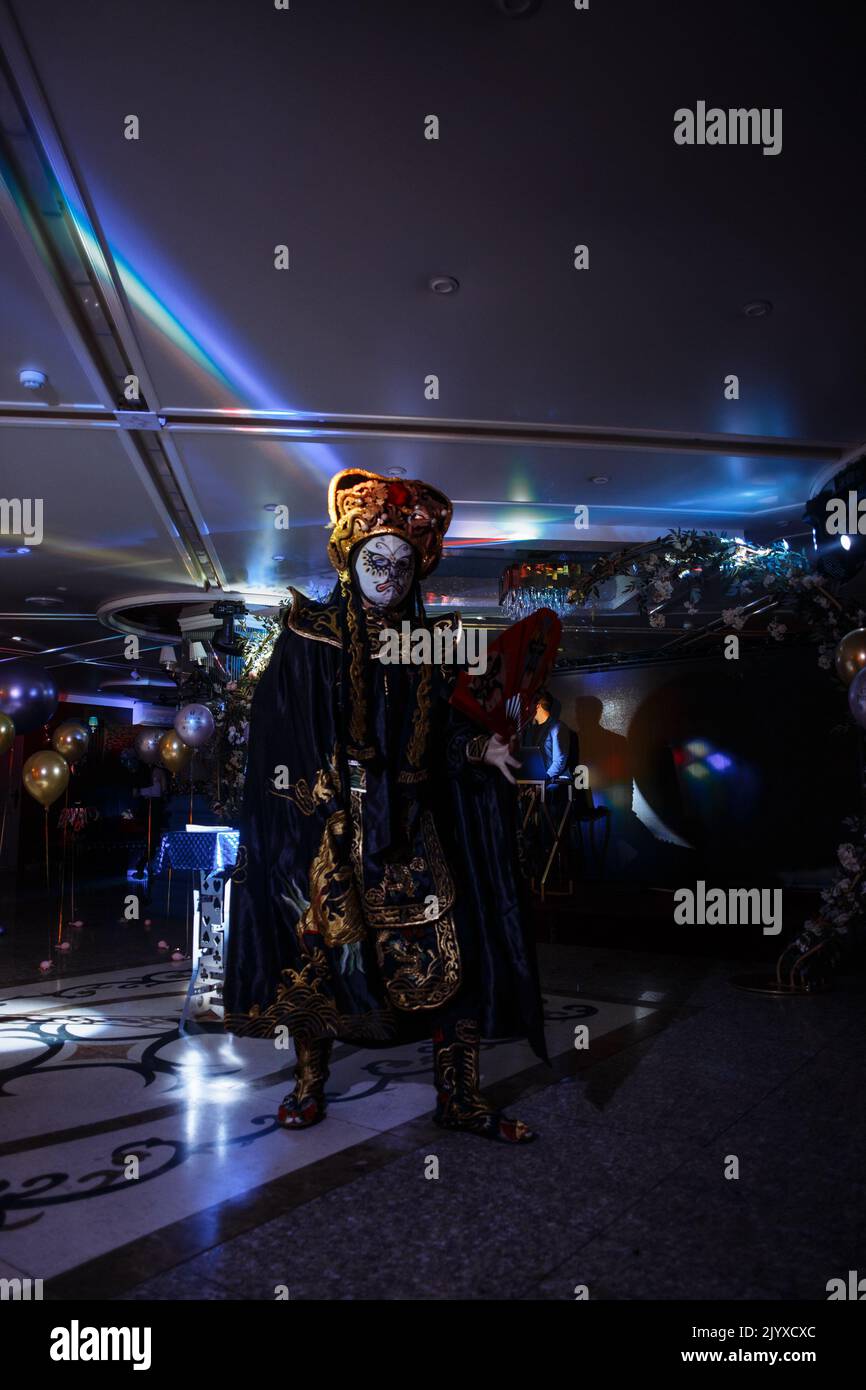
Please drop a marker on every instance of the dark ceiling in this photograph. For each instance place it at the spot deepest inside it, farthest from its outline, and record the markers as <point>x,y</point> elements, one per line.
<point>305,127</point>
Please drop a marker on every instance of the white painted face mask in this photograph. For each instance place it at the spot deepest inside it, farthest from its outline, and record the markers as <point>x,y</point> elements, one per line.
<point>384,569</point>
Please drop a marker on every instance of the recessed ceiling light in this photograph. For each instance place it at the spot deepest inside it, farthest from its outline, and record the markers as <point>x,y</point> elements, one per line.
<point>757,309</point>
<point>396,471</point>
<point>17,639</point>
<point>271,506</point>
<point>444,284</point>
<point>278,559</point>
<point>599,478</point>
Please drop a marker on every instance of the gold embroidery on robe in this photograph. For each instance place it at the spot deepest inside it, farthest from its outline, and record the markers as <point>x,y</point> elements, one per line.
<point>476,747</point>
<point>301,1007</point>
<point>420,720</point>
<point>418,955</point>
<point>318,621</point>
<point>380,915</point>
<point>334,911</point>
<point>420,966</point>
<point>398,879</point>
<point>307,799</point>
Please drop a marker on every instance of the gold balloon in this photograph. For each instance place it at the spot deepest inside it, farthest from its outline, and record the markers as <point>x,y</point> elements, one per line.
<point>71,740</point>
<point>7,734</point>
<point>46,776</point>
<point>173,752</point>
<point>851,654</point>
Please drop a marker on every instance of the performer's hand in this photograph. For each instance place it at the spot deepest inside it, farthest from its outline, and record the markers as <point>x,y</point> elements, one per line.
<point>498,754</point>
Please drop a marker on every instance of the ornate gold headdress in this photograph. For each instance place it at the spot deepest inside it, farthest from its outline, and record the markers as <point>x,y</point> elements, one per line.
<point>363,504</point>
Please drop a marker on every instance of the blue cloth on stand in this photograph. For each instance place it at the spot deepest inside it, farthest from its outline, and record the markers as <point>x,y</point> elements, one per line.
<point>208,850</point>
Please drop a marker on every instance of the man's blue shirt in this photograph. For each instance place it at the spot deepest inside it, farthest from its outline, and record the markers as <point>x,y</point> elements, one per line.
<point>552,739</point>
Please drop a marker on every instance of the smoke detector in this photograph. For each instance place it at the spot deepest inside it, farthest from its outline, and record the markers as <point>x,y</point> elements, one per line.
<point>32,380</point>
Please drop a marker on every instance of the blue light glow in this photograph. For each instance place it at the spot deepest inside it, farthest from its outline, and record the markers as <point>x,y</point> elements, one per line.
<point>719,761</point>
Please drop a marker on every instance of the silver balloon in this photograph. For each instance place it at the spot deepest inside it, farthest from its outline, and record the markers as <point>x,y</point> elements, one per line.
<point>147,745</point>
<point>28,695</point>
<point>194,724</point>
<point>857,698</point>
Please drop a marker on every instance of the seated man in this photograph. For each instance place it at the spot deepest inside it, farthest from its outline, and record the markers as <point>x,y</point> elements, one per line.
<point>553,739</point>
<point>550,736</point>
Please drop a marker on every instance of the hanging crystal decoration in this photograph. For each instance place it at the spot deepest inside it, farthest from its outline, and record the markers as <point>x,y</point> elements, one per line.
<point>544,582</point>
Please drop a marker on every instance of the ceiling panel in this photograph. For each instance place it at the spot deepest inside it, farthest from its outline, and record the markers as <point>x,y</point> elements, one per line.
<point>503,495</point>
<point>305,126</point>
<point>101,534</point>
<point>30,337</point>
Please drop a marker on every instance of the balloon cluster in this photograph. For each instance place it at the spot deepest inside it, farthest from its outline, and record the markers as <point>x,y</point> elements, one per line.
<point>46,774</point>
<point>28,698</point>
<point>193,728</point>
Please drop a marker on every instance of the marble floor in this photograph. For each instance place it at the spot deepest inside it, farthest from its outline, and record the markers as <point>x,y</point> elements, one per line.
<point>137,1162</point>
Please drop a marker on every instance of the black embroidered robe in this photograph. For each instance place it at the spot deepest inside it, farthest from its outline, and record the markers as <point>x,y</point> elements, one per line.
<point>370,895</point>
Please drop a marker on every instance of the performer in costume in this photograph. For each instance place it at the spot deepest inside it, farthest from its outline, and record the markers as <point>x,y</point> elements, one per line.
<point>377,897</point>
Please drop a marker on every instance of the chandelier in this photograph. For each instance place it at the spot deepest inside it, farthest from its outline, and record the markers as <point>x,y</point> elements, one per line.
<point>545,581</point>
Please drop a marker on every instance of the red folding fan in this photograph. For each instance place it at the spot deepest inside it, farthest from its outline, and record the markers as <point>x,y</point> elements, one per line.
<point>502,698</point>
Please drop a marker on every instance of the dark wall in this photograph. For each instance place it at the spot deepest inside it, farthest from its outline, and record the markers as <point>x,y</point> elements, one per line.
<point>751,764</point>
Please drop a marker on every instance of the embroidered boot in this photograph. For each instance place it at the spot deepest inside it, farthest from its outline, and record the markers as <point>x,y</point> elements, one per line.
<point>459,1103</point>
<point>305,1105</point>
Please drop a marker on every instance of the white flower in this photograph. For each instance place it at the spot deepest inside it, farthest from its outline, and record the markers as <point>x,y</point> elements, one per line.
<point>734,617</point>
<point>848,858</point>
<point>657,619</point>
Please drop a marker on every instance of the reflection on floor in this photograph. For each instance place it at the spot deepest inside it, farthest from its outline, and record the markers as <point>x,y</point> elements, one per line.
<point>625,1191</point>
